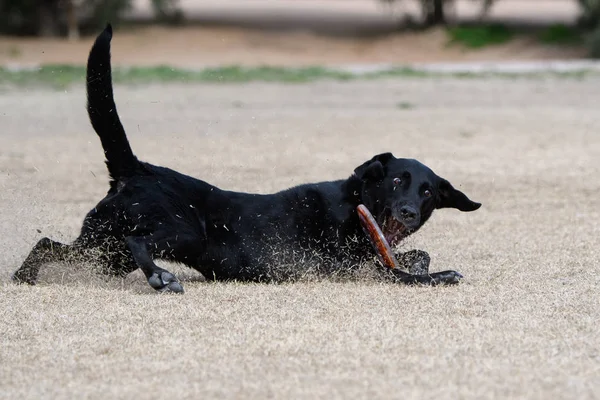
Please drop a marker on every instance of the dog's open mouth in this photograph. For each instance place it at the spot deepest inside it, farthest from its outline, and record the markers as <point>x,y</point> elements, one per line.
<point>393,230</point>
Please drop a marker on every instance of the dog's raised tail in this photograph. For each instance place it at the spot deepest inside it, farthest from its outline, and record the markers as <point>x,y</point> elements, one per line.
<point>102,110</point>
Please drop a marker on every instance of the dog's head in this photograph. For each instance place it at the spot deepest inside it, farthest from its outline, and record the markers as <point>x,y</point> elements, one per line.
<point>402,194</point>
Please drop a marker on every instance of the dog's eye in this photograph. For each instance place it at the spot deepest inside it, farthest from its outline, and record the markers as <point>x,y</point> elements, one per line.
<point>397,181</point>
<point>427,193</point>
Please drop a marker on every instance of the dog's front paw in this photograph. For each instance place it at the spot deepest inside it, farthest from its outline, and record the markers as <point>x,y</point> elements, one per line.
<point>445,278</point>
<point>166,282</point>
<point>434,279</point>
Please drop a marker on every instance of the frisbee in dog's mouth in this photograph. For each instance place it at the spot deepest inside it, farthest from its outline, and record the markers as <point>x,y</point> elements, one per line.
<point>382,242</point>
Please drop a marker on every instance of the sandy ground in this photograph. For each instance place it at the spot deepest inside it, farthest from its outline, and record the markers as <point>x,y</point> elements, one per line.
<point>523,324</point>
<point>307,32</point>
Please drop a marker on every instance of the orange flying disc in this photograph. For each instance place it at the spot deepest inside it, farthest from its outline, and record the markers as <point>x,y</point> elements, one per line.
<point>376,237</point>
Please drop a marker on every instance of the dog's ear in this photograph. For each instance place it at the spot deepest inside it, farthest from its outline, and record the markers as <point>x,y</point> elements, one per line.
<point>452,198</point>
<point>375,168</point>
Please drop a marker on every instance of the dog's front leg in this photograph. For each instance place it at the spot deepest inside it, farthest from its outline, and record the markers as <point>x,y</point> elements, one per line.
<point>416,262</point>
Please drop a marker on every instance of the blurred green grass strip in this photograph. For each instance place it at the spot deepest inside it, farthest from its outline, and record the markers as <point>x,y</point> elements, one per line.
<point>561,34</point>
<point>476,37</point>
<point>63,76</point>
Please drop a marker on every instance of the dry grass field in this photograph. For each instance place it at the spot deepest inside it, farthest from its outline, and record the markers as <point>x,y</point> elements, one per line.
<point>524,323</point>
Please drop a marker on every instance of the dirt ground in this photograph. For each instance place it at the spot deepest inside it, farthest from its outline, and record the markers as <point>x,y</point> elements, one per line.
<point>523,324</point>
<point>298,33</point>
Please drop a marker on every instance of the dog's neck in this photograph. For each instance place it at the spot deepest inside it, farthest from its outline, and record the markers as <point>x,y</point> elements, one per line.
<point>352,188</point>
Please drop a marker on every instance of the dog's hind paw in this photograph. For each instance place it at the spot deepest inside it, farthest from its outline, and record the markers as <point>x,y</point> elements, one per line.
<point>165,282</point>
<point>22,276</point>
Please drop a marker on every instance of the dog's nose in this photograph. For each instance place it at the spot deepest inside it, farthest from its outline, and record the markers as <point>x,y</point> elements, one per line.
<point>408,213</point>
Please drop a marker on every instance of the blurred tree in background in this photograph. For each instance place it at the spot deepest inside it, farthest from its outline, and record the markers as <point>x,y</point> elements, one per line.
<point>57,17</point>
<point>590,15</point>
<point>52,17</point>
<point>590,20</point>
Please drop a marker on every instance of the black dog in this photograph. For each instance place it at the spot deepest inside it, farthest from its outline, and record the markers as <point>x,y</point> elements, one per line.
<point>153,212</point>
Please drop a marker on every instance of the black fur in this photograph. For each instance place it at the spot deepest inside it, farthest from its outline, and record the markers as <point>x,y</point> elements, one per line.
<point>154,212</point>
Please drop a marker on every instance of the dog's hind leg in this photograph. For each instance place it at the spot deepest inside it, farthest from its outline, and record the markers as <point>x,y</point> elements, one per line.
<point>45,251</point>
<point>159,278</point>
